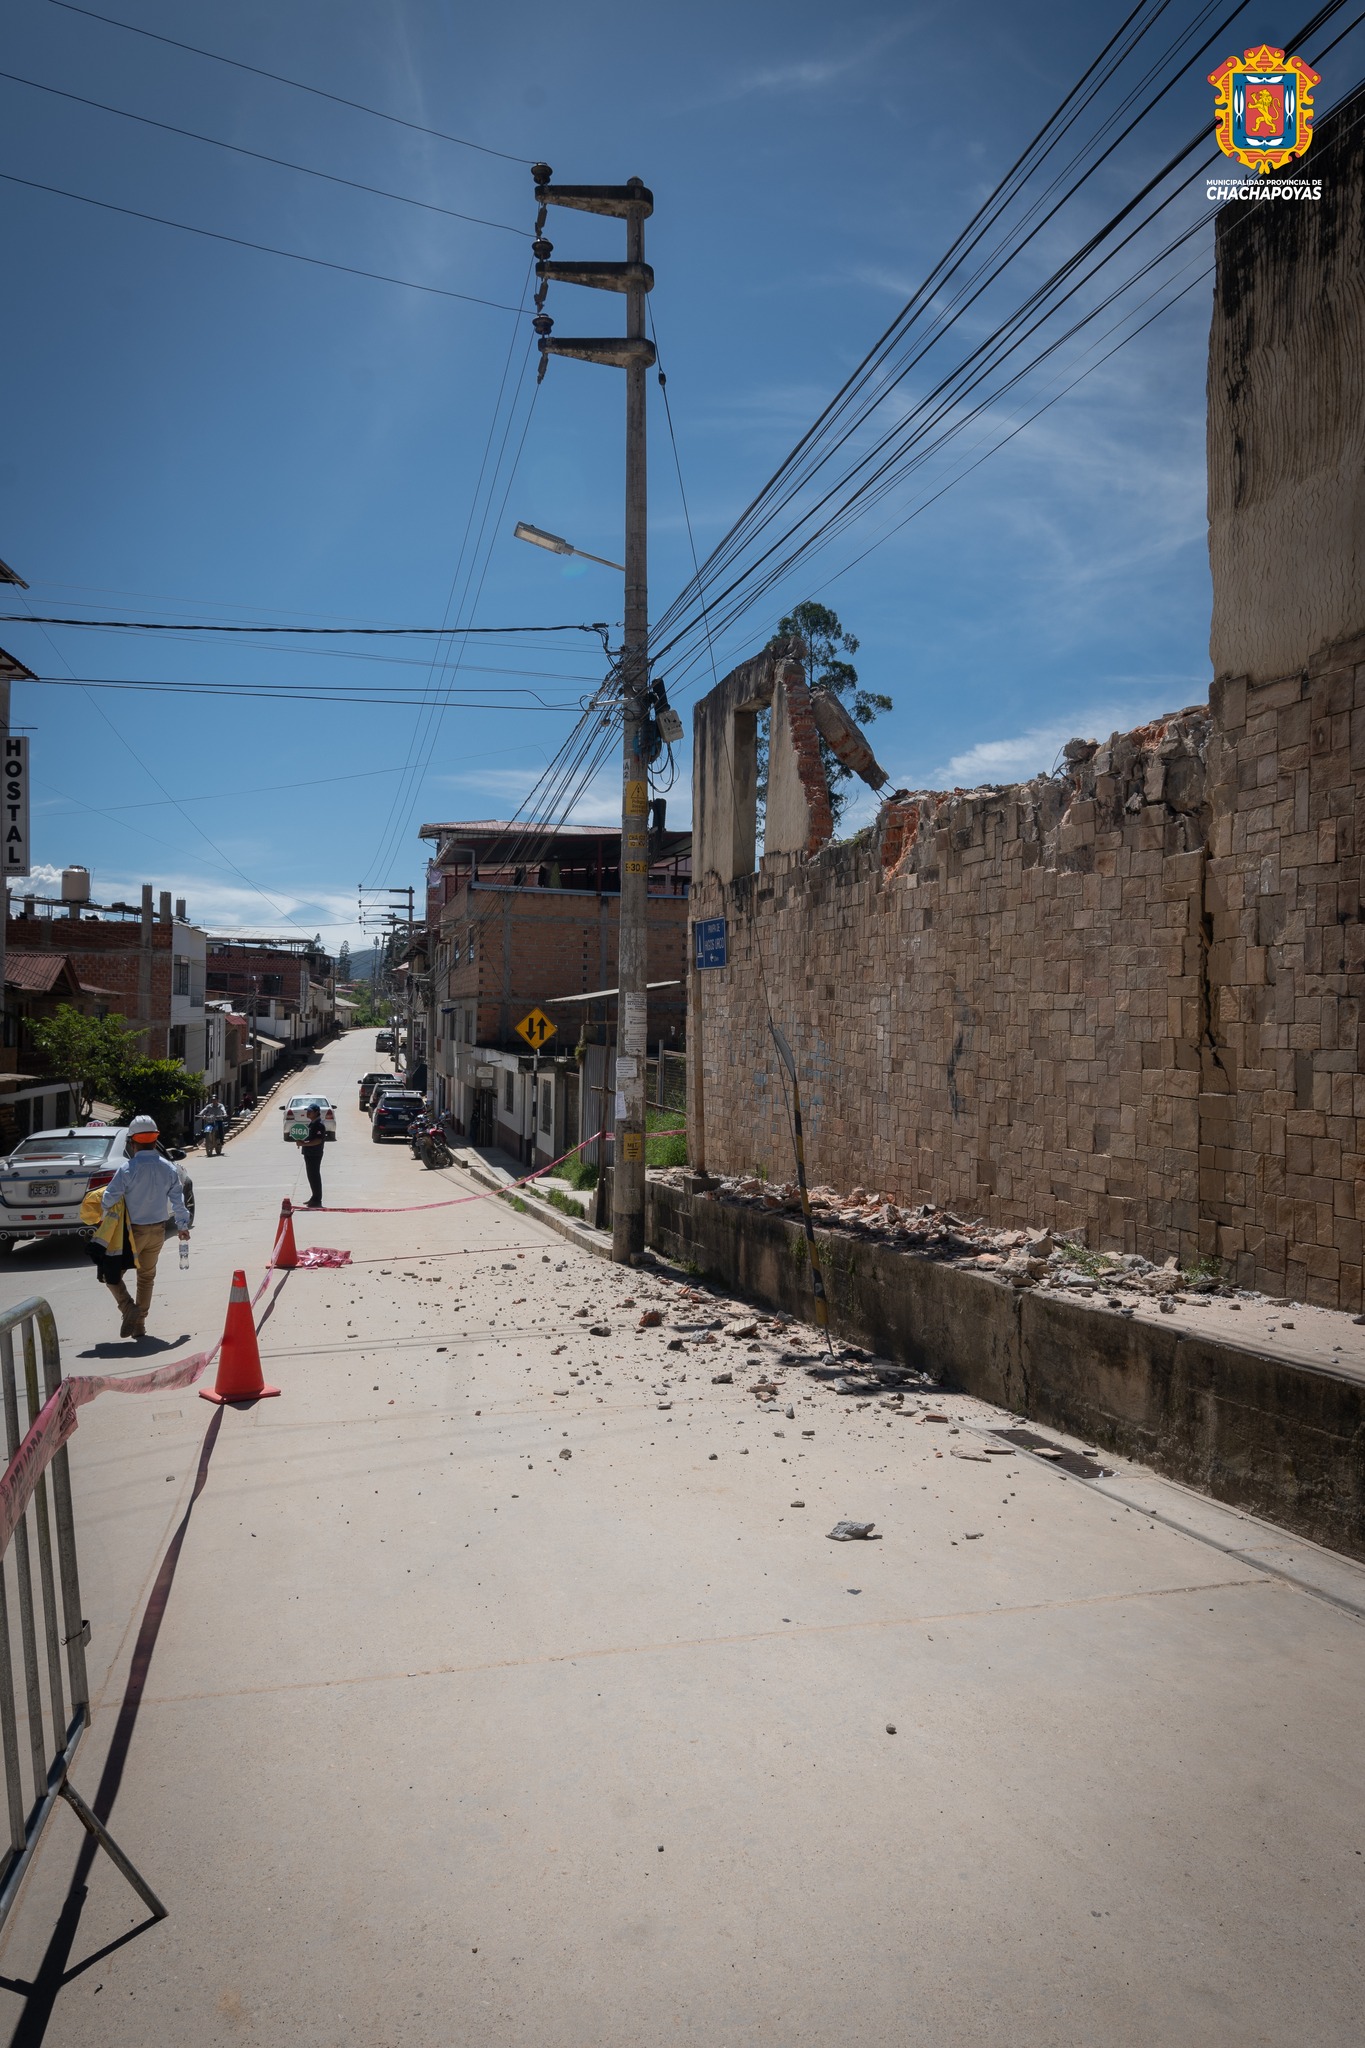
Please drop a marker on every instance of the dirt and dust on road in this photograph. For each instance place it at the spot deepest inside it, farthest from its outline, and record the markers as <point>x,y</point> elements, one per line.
<point>501,1683</point>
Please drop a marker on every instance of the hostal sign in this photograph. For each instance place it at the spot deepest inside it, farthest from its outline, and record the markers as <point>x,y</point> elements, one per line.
<point>16,805</point>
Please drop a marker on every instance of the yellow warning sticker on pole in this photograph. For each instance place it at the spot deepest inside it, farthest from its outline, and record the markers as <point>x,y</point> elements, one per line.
<point>632,1145</point>
<point>536,1029</point>
<point>637,800</point>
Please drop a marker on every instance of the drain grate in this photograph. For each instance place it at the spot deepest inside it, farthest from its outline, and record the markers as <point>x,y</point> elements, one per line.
<point>1057,1454</point>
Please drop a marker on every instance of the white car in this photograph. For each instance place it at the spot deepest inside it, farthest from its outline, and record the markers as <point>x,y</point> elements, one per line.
<point>295,1114</point>
<point>47,1177</point>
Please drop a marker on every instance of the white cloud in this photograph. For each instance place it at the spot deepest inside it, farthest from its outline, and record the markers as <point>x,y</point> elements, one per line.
<point>812,74</point>
<point>1017,756</point>
<point>224,906</point>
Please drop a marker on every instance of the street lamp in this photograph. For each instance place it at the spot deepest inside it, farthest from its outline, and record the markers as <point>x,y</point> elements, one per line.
<point>556,546</point>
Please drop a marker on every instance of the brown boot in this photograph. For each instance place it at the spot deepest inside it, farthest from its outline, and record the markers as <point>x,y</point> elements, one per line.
<point>123,1301</point>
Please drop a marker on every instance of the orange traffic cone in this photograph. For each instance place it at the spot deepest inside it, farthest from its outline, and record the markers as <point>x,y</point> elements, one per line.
<point>286,1251</point>
<point>239,1362</point>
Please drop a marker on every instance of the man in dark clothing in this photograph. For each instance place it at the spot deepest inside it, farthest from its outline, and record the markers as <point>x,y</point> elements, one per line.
<point>311,1145</point>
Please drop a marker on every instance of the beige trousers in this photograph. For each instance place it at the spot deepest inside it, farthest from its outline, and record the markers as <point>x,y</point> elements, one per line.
<point>146,1240</point>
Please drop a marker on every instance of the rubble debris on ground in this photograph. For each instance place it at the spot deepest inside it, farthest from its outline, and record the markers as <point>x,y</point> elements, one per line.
<point>1024,1258</point>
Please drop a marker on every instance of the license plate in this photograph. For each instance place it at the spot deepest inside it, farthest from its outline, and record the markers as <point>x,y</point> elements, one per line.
<point>42,1191</point>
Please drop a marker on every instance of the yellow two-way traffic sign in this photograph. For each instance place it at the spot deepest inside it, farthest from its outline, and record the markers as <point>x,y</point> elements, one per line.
<point>536,1029</point>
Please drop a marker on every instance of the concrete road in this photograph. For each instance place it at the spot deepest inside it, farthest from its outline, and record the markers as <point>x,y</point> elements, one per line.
<point>430,1734</point>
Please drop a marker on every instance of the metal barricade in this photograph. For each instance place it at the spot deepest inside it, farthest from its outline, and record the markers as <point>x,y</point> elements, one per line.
<point>46,1641</point>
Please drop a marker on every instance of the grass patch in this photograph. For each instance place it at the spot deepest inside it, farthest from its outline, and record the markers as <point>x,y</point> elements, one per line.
<point>1093,1264</point>
<point>517,1204</point>
<point>566,1204</point>
<point>577,1174</point>
<point>1206,1267</point>
<point>664,1151</point>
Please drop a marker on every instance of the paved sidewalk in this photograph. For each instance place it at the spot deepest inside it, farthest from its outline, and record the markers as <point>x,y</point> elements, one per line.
<point>439,1738</point>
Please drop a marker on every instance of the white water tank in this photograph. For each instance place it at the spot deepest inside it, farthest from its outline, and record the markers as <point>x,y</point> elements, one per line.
<point>75,885</point>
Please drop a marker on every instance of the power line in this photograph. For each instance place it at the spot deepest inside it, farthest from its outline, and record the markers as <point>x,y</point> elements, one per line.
<point>342,632</point>
<point>241,242</point>
<point>681,620</point>
<point>298,84</point>
<point>223,858</point>
<point>438,708</point>
<point>415,741</point>
<point>260,156</point>
<point>216,796</point>
<point>301,693</point>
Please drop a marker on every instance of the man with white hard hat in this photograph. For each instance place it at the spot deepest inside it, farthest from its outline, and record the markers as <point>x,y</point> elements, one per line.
<point>149,1187</point>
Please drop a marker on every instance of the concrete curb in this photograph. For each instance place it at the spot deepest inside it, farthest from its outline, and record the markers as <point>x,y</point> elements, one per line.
<point>582,1234</point>
<point>1280,1438</point>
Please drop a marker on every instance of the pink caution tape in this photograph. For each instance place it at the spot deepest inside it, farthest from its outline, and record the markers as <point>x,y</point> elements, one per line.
<point>52,1425</point>
<point>458,1201</point>
<point>57,1418</point>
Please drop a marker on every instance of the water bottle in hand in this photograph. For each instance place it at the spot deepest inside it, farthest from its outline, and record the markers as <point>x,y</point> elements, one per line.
<point>184,1255</point>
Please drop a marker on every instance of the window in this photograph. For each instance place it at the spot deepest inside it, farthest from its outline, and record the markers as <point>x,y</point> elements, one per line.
<point>175,1047</point>
<point>546,1105</point>
<point>469,1026</point>
<point>508,1084</point>
<point>469,943</point>
<point>180,977</point>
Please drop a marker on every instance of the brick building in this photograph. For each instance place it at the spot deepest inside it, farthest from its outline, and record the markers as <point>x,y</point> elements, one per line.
<point>285,987</point>
<point>147,962</point>
<point>36,986</point>
<point>520,917</point>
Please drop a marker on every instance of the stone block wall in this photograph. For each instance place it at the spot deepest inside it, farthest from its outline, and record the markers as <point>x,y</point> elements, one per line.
<point>1282,1105</point>
<point>997,999</point>
<point>1122,1001</point>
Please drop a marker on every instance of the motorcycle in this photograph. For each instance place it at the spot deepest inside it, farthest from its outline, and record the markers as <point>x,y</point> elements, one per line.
<point>214,1131</point>
<point>427,1137</point>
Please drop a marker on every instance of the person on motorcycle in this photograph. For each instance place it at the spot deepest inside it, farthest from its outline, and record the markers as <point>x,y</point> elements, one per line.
<point>213,1123</point>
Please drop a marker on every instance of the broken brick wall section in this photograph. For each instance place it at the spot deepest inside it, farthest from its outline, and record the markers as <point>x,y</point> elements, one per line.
<point>996,999</point>
<point>1121,1002</point>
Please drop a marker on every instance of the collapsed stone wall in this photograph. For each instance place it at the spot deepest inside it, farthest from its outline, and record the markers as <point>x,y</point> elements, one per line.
<point>995,998</point>
<point>1120,1001</point>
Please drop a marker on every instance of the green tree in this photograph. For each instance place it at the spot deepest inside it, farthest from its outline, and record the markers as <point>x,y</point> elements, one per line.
<point>90,1054</point>
<point>829,669</point>
<point>164,1089</point>
<point>344,961</point>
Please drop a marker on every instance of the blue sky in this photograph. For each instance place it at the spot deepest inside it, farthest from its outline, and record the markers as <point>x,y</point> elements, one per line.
<point>199,430</point>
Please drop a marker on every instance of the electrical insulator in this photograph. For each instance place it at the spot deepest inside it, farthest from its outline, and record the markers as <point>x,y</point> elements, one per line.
<point>541,249</point>
<point>543,323</point>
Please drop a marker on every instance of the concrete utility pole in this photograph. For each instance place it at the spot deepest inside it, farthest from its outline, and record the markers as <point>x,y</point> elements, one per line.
<point>633,203</point>
<point>11,671</point>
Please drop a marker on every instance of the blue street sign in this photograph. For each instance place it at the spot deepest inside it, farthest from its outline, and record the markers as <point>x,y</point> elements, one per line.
<point>708,935</point>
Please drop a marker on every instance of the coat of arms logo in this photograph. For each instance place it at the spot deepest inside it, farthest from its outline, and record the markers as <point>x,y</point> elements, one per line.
<point>1264,107</point>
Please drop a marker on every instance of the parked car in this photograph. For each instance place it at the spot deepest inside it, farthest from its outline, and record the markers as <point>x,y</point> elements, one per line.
<point>383,1041</point>
<point>295,1111</point>
<point>371,1083</point>
<point>392,1084</point>
<point>393,1113</point>
<point>47,1177</point>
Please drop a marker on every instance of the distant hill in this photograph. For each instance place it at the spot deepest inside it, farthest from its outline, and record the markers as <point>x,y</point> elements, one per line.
<point>362,964</point>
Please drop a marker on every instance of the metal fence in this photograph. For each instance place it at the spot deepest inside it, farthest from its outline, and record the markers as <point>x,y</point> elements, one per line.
<point>42,1641</point>
<point>668,1081</point>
